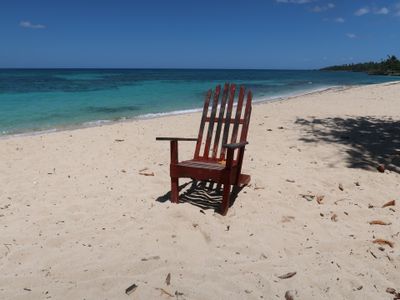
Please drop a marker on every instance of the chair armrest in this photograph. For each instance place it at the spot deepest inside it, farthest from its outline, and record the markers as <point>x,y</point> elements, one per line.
<point>175,139</point>
<point>235,145</point>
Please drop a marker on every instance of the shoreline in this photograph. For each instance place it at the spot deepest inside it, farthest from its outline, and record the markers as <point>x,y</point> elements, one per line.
<point>101,123</point>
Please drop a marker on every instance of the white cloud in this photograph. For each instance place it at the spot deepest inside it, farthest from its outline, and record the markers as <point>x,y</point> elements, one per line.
<point>28,24</point>
<point>351,35</point>
<point>295,1</point>
<point>362,11</point>
<point>339,20</point>
<point>382,11</point>
<point>319,8</point>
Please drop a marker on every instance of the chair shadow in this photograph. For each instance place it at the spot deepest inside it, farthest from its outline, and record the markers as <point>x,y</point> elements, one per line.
<point>369,141</point>
<point>205,195</point>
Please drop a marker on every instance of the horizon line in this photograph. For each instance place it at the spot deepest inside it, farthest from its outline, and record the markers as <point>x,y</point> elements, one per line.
<point>154,68</point>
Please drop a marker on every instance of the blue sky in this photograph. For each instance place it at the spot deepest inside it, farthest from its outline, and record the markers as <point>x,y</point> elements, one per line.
<point>297,34</point>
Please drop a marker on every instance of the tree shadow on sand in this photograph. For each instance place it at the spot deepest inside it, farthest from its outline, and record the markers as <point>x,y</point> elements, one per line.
<point>370,141</point>
<point>206,195</point>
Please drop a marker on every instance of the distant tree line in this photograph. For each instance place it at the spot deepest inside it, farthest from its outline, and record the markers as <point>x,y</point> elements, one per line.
<point>389,66</point>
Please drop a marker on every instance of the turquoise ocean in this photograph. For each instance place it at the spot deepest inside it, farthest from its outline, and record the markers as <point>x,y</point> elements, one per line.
<point>51,99</point>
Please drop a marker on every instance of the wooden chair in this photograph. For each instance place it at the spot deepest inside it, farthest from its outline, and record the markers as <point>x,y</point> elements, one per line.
<point>214,158</point>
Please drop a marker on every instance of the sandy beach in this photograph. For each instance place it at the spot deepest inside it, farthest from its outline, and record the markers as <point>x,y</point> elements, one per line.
<point>79,221</point>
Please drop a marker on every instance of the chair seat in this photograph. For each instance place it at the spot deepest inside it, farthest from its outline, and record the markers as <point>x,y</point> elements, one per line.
<point>205,170</point>
<point>201,164</point>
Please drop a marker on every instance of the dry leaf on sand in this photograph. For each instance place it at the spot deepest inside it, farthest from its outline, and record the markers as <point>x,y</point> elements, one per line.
<point>390,203</point>
<point>320,199</point>
<point>383,242</point>
<point>146,172</point>
<point>379,222</point>
<point>390,290</point>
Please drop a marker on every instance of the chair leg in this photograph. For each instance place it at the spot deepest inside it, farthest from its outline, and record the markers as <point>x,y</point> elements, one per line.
<point>174,190</point>
<point>225,198</point>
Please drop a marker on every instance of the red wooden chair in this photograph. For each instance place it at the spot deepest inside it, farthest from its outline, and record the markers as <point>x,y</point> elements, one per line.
<point>214,159</point>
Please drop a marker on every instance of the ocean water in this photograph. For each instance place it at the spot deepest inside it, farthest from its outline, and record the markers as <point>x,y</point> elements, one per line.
<point>35,100</point>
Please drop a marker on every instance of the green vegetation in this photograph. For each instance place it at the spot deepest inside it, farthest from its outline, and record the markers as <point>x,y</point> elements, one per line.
<point>389,66</point>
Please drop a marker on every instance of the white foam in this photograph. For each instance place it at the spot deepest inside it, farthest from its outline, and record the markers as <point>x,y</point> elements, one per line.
<point>96,123</point>
<point>171,113</point>
<point>295,94</point>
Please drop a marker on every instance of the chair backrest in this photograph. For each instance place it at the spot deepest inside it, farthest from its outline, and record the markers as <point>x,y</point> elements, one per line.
<point>219,114</point>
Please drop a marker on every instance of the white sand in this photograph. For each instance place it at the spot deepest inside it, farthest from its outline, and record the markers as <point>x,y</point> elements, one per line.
<point>77,221</point>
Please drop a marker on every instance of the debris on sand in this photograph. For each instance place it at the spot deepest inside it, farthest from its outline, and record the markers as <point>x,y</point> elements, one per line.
<point>320,199</point>
<point>257,187</point>
<point>168,279</point>
<point>177,294</point>
<point>383,242</point>
<point>381,168</point>
<point>131,289</point>
<point>151,258</point>
<point>287,275</point>
<point>286,219</point>
<point>334,218</point>
<point>379,222</point>
<point>308,197</point>
<point>390,203</point>
<point>146,172</point>
<point>289,295</point>
<point>165,292</point>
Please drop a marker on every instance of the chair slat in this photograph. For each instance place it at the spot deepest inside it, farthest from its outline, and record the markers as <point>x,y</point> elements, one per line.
<point>220,117</point>
<point>247,113</point>
<point>238,114</point>
<point>211,124</point>
<point>228,119</point>
<point>202,123</point>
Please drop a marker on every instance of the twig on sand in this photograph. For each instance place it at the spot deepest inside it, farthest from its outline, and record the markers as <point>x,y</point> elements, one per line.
<point>165,292</point>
